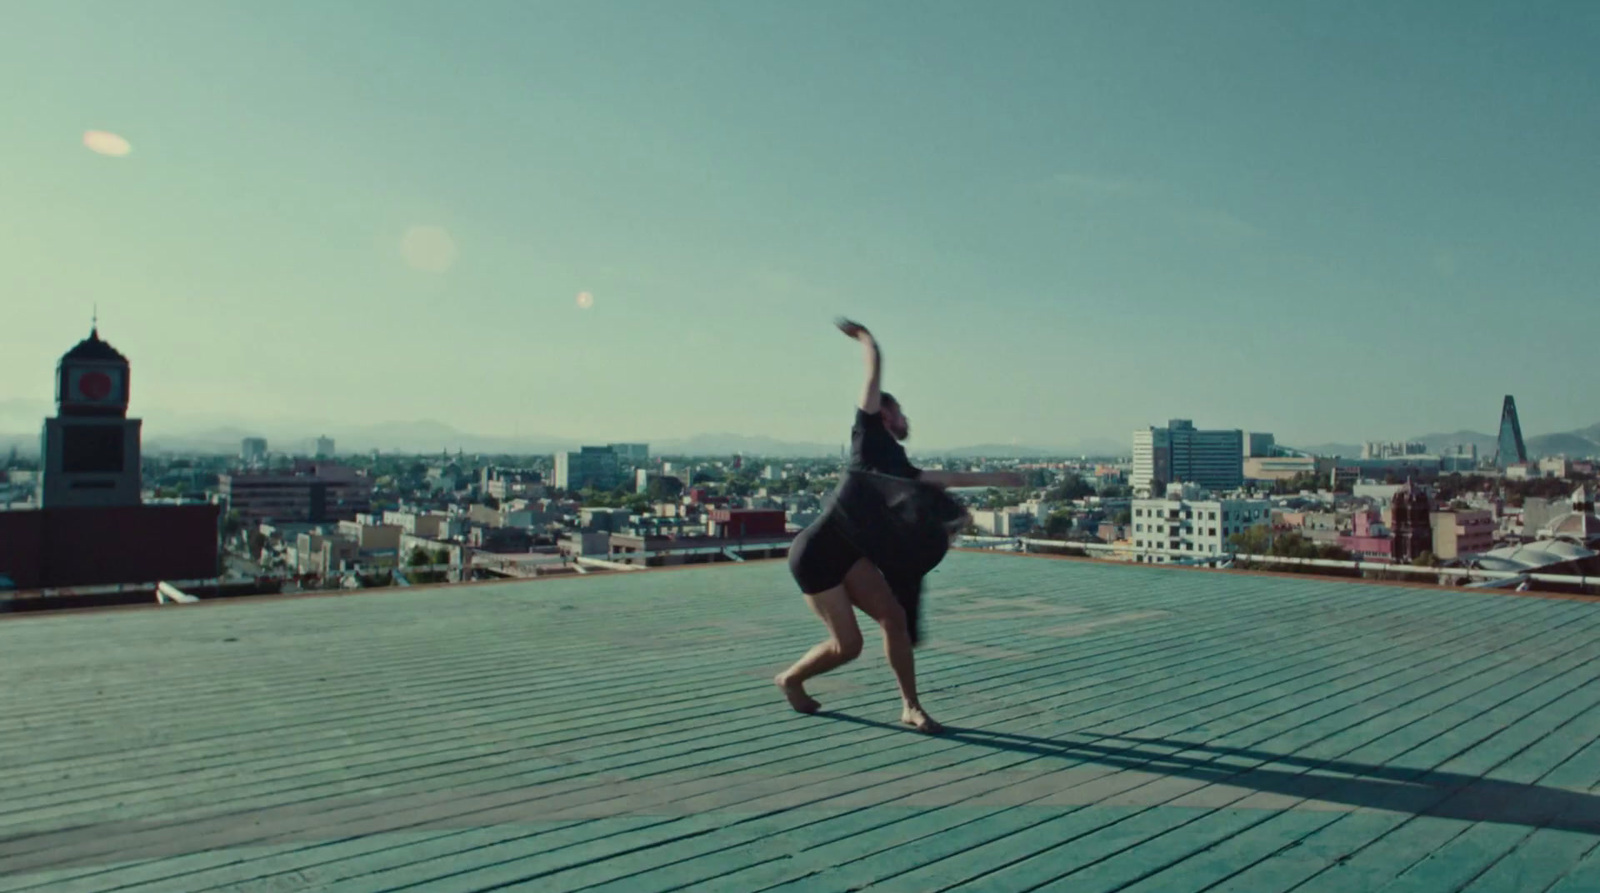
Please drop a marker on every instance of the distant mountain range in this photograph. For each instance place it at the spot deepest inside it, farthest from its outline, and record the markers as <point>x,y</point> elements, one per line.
<point>1580,442</point>
<point>421,437</point>
<point>1094,447</point>
<point>20,421</point>
<point>432,437</point>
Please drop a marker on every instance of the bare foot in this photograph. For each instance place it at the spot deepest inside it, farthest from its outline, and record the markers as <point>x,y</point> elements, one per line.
<point>796,693</point>
<point>918,719</point>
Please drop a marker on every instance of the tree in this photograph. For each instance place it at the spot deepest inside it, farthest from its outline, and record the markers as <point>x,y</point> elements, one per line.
<point>1071,488</point>
<point>1059,522</point>
<point>741,484</point>
<point>999,499</point>
<point>1254,541</point>
<point>419,557</point>
<point>1259,540</point>
<point>709,474</point>
<point>1124,518</point>
<point>638,503</point>
<point>664,489</point>
<point>1426,559</point>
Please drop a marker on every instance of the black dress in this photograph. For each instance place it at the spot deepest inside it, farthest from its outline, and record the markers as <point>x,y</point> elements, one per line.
<point>883,513</point>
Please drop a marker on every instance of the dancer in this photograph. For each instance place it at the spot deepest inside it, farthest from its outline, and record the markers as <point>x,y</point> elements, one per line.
<point>887,525</point>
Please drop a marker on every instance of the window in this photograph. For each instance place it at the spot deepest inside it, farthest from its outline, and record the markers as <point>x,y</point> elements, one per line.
<point>1139,528</point>
<point>1213,517</point>
<point>1211,531</point>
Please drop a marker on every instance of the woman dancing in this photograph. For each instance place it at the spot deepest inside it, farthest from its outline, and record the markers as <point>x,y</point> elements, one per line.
<point>888,524</point>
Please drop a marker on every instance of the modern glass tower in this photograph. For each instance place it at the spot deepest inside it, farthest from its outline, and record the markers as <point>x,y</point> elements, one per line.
<point>1511,450</point>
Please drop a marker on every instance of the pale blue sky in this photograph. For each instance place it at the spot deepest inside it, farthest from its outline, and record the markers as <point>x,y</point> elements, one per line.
<point>1332,221</point>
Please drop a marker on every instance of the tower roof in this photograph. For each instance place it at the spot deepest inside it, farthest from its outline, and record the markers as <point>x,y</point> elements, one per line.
<point>92,348</point>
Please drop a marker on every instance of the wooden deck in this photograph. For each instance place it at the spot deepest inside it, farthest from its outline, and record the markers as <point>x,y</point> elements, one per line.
<point>1113,728</point>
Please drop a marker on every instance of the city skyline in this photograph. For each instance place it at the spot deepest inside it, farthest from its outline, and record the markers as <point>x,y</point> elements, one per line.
<point>424,436</point>
<point>603,222</point>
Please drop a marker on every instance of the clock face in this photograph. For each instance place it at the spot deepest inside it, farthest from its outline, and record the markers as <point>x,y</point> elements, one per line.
<point>94,386</point>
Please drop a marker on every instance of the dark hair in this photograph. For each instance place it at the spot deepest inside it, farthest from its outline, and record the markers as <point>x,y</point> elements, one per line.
<point>886,398</point>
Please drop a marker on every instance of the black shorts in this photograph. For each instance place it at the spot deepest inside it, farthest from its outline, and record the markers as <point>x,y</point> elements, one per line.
<point>820,557</point>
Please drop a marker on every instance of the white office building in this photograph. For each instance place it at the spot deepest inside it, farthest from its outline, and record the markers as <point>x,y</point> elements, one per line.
<point>1190,525</point>
<point>1181,452</point>
<point>1003,522</point>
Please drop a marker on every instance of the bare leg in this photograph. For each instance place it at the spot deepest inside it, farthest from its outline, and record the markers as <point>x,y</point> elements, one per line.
<point>842,646</point>
<point>869,592</point>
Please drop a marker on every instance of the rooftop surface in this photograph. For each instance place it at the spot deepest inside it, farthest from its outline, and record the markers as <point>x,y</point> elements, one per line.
<point>1112,728</point>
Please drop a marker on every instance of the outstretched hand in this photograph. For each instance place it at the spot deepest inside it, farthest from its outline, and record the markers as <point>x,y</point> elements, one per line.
<point>853,329</point>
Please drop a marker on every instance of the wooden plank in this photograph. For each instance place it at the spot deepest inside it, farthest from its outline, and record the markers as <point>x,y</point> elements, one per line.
<point>389,742</point>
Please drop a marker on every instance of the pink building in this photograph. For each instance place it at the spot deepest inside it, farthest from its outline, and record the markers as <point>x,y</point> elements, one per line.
<point>1370,540</point>
<point>1463,532</point>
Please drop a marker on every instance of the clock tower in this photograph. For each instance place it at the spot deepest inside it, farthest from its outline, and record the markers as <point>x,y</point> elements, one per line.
<point>91,447</point>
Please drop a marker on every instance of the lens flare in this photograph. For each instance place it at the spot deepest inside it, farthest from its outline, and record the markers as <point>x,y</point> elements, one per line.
<point>104,143</point>
<point>429,248</point>
<point>585,300</point>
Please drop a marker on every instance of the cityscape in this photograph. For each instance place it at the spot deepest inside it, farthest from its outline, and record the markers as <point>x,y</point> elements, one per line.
<point>852,446</point>
<point>119,523</point>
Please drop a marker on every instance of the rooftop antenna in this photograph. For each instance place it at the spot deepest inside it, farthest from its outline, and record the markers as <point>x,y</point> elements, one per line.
<point>94,318</point>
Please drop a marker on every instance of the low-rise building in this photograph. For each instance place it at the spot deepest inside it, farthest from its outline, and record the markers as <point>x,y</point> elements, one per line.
<point>738,524</point>
<point>1579,526</point>
<point>1555,467</point>
<point>312,492</point>
<point>1368,538</point>
<point>613,520</point>
<point>321,555</point>
<point>1458,533</point>
<point>663,550</point>
<point>372,537</point>
<point>1003,522</point>
<point>430,525</point>
<point>1278,468</point>
<point>511,483</point>
<point>1192,525</point>
<point>585,543</point>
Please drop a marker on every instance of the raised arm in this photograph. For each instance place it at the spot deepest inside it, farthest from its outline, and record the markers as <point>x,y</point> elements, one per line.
<point>871,394</point>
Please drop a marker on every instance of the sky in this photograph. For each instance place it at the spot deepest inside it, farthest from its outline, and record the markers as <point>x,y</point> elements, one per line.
<point>630,220</point>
